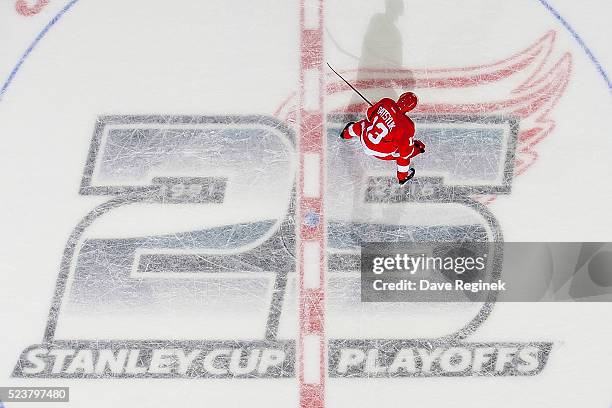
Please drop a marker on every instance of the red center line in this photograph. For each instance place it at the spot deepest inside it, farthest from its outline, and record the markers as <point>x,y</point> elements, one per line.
<point>312,366</point>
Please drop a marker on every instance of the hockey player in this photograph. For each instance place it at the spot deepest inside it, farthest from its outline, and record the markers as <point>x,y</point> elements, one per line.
<point>388,133</point>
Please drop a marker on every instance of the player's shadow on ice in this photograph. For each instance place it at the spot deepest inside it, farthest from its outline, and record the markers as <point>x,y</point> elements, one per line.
<point>382,57</point>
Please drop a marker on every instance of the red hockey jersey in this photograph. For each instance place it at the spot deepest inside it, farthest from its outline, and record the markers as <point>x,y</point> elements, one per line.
<point>387,134</point>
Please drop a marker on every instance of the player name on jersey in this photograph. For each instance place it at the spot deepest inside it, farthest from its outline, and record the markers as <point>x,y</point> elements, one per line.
<point>386,116</point>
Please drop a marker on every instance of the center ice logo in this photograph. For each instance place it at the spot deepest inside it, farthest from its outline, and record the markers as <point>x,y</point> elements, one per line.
<point>206,297</point>
<point>189,269</point>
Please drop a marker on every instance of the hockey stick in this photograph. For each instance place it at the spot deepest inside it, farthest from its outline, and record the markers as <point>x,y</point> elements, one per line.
<point>342,50</point>
<point>352,87</point>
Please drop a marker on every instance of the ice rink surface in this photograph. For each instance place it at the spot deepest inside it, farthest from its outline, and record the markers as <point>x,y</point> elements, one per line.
<point>181,223</point>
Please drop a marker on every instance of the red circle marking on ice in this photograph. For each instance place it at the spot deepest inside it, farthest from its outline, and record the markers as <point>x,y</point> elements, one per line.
<point>25,9</point>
